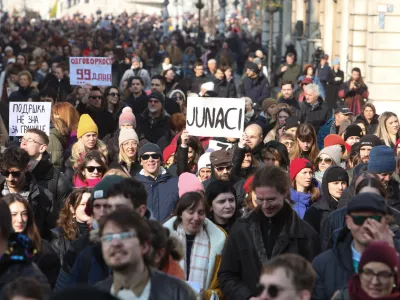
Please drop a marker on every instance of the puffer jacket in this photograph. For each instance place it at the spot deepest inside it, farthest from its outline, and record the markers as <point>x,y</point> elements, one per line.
<point>56,147</point>
<point>162,193</point>
<point>316,115</point>
<point>163,287</point>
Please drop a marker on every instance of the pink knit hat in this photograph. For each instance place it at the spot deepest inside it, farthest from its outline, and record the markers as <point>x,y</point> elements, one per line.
<point>127,117</point>
<point>189,182</point>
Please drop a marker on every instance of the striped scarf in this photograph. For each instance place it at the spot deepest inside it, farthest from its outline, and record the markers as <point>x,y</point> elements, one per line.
<point>198,258</point>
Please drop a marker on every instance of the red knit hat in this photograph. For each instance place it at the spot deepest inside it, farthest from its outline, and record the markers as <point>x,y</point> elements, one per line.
<point>379,251</point>
<point>248,185</point>
<point>333,139</point>
<point>168,151</point>
<point>297,165</point>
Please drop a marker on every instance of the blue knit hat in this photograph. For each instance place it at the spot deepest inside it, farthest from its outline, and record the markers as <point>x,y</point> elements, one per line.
<point>381,160</point>
<point>336,61</point>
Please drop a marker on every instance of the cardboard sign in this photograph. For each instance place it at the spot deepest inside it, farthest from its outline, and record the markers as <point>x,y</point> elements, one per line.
<point>26,115</point>
<point>215,145</point>
<point>215,117</point>
<point>90,70</point>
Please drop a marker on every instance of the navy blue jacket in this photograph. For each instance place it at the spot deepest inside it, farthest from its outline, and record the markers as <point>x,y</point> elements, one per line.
<point>162,193</point>
<point>256,89</point>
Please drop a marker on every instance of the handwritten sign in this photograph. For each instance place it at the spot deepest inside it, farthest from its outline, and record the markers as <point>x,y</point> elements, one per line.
<point>26,115</point>
<point>216,145</point>
<point>90,70</point>
<point>215,117</point>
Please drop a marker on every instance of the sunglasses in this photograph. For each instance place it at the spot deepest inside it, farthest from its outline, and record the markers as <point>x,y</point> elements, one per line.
<point>272,290</point>
<point>153,156</point>
<point>178,98</point>
<point>114,94</point>
<point>220,169</point>
<point>359,220</point>
<point>91,169</point>
<point>15,174</point>
<point>326,160</point>
<point>95,97</point>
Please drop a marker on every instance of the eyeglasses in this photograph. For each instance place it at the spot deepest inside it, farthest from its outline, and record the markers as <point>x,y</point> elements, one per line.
<point>382,277</point>
<point>92,168</point>
<point>288,143</point>
<point>177,98</point>
<point>272,290</point>
<point>95,97</point>
<point>130,144</point>
<point>114,94</point>
<point>15,174</point>
<point>29,141</point>
<point>108,238</point>
<point>327,160</point>
<point>220,169</point>
<point>359,220</point>
<point>153,156</point>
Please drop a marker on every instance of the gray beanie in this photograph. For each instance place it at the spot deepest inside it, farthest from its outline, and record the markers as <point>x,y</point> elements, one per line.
<point>334,152</point>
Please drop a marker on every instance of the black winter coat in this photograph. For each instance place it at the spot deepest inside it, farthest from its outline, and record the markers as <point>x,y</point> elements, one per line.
<point>48,262</point>
<point>332,88</point>
<point>293,103</point>
<point>195,83</point>
<point>62,87</point>
<point>152,129</point>
<point>22,95</point>
<point>41,201</point>
<point>224,89</point>
<point>369,126</point>
<point>163,287</point>
<point>112,143</point>
<point>317,115</point>
<point>245,251</point>
<point>139,104</point>
<point>52,179</point>
<point>256,89</point>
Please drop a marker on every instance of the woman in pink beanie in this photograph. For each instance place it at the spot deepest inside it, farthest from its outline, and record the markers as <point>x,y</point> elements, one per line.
<point>189,182</point>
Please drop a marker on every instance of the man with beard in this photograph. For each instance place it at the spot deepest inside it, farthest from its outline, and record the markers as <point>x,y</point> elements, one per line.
<point>287,90</point>
<point>271,229</point>
<point>367,142</point>
<point>152,124</point>
<point>95,109</point>
<point>383,163</point>
<point>125,244</point>
<point>138,99</point>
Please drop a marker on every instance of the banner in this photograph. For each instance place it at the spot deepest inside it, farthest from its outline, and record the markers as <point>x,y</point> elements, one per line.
<point>216,145</point>
<point>90,70</point>
<point>26,115</point>
<point>215,117</point>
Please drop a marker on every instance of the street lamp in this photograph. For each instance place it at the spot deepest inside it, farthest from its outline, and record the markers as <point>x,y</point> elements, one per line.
<point>222,16</point>
<point>235,4</point>
<point>165,16</point>
<point>271,7</point>
<point>199,6</point>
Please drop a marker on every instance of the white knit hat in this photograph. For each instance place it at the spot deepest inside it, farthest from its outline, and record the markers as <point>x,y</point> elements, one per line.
<point>127,134</point>
<point>204,162</point>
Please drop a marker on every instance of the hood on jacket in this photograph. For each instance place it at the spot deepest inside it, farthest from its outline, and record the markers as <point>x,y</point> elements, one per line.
<point>327,202</point>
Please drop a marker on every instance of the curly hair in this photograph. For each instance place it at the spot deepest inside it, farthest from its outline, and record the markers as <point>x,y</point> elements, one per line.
<point>95,155</point>
<point>14,157</point>
<point>66,219</point>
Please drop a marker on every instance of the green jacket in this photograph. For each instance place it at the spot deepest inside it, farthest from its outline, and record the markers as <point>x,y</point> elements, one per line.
<point>56,147</point>
<point>292,73</point>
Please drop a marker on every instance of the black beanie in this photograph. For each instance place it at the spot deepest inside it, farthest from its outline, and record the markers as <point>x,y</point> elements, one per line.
<point>157,95</point>
<point>353,130</point>
<point>252,66</point>
<point>370,140</point>
<point>292,122</point>
<point>336,173</point>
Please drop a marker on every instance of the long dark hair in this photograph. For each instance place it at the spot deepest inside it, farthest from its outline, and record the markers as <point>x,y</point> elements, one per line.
<point>197,147</point>
<point>95,155</point>
<point>107,93</point>
<point>360,80</point>
<point>31,230</point>
<point>188,200</point>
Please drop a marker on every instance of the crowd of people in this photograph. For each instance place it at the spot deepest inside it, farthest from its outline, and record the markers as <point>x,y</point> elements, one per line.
<point>119,201</point>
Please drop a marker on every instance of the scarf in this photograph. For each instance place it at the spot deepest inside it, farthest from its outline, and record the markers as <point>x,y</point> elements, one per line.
<point>357,293</point>
<point>198,258</point>
<point>249,115</point>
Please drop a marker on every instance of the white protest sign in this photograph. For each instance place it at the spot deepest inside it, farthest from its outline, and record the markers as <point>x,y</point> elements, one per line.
<point>215,117</point>
<point>26,115</point>
<point>90,70</point>
<point>216,145</point>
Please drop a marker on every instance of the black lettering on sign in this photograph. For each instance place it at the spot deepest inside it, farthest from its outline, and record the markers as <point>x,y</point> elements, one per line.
<point>209,118</point>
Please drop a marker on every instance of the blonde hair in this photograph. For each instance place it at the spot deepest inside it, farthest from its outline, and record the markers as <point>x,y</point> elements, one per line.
<point>381,130</point>
<point>124,158</point>
<point>79,150</point>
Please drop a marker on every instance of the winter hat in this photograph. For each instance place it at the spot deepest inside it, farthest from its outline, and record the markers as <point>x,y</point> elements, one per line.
<point>336,173</point>
<point>353,130</point>
<point>334,152</point>
<point>127,134</point>
<point>336,61</point>
<point>100,190</point>
<point>370,140</point>
<point>168,151</point>
<point>306,80</point>
<point>297,165</point>
<point>268,102</point>
<point>8,48</point>
<point>158,96</point>
<point>292,122</point>
<point>188,182</point>
<point>127,117</point>
<point>221,158</point>
<point>334,139</point>
<point>204,162</point>
<point>86,125</point>
<point>136,59</point>
<point>381,160</point>
<point>370,202</point>
<point>149,147</point>
<point>253,67</point>
<point>380,251</point>
<point>248,185</point>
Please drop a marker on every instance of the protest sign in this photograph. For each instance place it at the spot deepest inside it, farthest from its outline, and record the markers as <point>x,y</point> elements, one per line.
<point>215,117</point>
<point>26,115</point>
<point>216,145</point>
<point>90,70</point>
